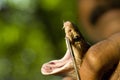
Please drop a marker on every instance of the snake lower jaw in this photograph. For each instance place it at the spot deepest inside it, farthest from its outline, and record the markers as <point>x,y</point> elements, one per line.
<point>63,66</point>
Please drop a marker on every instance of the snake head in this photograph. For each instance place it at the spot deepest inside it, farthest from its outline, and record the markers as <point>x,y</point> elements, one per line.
<point>72,32</point>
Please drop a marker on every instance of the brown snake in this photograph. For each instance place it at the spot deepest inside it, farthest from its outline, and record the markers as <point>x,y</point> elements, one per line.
<point>70,63</point>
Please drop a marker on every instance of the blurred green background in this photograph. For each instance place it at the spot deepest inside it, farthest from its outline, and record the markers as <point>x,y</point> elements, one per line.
<point>31,34</point>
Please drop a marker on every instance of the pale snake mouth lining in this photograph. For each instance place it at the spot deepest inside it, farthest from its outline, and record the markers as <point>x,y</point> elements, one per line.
<point>57,66</point>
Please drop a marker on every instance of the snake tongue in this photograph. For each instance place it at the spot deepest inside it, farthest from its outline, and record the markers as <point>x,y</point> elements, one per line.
<point>61,66</point>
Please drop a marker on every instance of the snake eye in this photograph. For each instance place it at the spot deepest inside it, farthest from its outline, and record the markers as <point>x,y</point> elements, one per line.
<point>76,38</point>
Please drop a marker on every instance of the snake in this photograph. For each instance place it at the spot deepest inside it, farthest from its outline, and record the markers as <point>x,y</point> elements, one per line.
<point>65,66</point>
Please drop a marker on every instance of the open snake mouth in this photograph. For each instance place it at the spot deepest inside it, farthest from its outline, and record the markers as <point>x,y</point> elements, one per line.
<point>64,64</point>
<point>58,66</point>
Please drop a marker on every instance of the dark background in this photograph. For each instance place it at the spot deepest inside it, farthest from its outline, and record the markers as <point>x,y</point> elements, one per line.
<point>31,34</point>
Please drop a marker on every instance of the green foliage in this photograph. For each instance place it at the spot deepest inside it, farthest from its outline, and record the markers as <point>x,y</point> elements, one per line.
<point>30,35</point>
